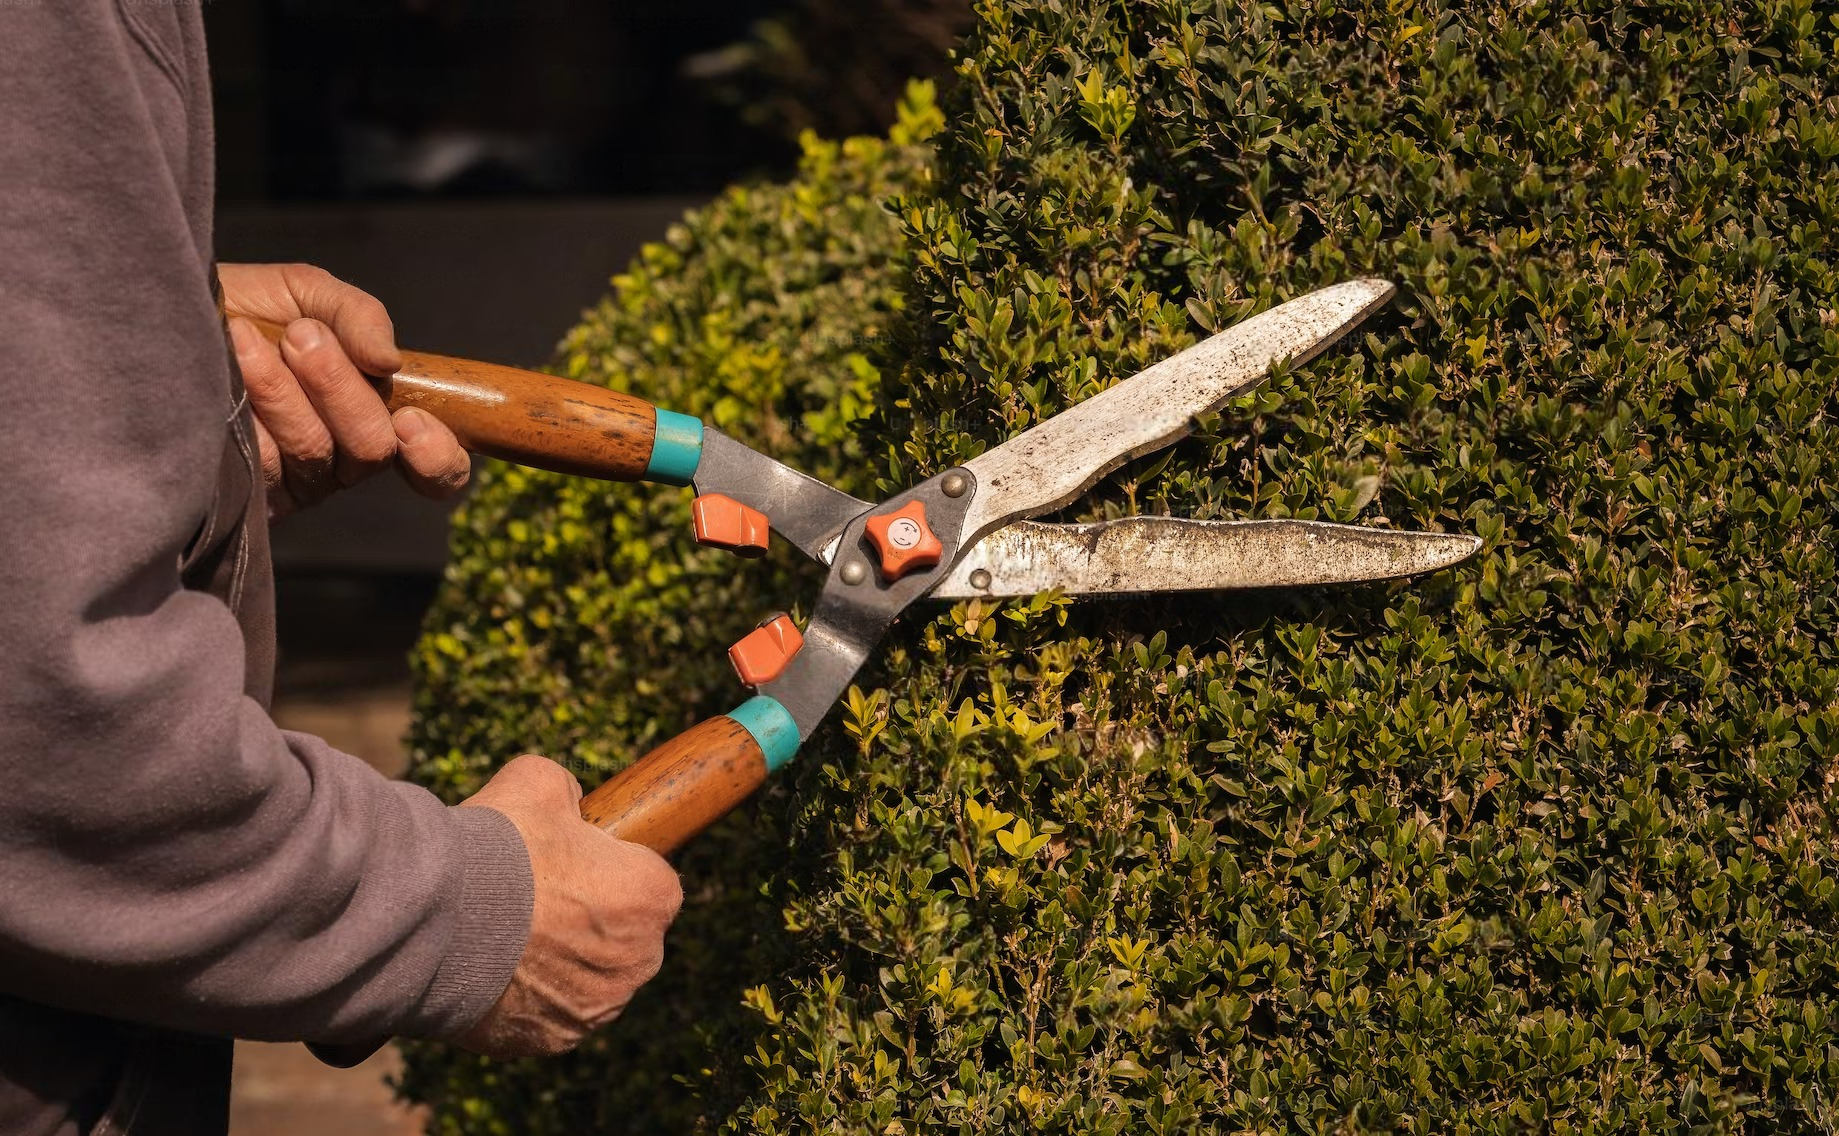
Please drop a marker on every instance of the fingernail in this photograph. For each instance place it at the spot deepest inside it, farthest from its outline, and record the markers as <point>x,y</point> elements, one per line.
<point>304,334</point>
<point>409,425</point>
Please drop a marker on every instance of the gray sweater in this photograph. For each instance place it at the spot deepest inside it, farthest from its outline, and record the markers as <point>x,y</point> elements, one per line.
<point>174,868</point>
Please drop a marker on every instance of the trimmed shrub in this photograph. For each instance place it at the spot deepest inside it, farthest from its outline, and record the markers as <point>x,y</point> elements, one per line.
<point>1542,843</point>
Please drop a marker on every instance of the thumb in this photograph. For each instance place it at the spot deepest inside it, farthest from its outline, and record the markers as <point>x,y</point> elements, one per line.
<point>431,459</point>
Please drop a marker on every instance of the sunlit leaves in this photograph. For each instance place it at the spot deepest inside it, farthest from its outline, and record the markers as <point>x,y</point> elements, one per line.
<point>1541,844</point>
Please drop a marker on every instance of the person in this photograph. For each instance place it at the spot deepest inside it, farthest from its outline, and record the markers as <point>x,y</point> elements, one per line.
<point>175,870</point>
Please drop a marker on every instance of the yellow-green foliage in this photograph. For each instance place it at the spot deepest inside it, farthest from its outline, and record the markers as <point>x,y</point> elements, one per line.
<point>1542,843</point>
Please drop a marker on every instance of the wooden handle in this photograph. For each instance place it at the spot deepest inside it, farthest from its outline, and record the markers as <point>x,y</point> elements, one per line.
<point>661,801</point>
<point>529,418</point>
<point>681,787</point>
<point>523,416</point>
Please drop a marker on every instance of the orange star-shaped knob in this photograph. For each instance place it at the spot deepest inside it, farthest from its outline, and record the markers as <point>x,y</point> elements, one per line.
<point>904,540</point>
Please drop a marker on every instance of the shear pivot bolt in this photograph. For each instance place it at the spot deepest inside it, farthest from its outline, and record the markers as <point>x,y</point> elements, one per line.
<point>764,654</point>
<point>904,540</point>
<point>954,484</point>
<point>980,579</point>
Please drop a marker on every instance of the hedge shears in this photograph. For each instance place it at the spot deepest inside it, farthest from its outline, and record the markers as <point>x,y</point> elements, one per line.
<point>964,534</point>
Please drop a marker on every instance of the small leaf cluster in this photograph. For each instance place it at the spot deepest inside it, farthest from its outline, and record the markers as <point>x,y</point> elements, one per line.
<point>1542,843</point>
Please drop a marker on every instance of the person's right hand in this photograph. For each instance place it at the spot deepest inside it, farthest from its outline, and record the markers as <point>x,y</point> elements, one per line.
<point>320,425</point>
<point>597,931</point>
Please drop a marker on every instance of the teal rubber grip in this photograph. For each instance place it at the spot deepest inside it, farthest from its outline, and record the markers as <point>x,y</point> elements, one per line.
<point>676,448</point>
<point>771,726</point>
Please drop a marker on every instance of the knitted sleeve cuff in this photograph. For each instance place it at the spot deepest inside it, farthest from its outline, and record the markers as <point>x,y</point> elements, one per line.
<point>493,924</point>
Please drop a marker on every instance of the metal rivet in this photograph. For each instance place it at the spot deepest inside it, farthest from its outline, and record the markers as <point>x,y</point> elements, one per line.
<point>980,579</point>
<point>855,572</point>
<point>955,484</point>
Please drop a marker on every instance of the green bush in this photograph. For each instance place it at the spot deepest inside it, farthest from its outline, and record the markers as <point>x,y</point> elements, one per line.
<point>1544,843</point>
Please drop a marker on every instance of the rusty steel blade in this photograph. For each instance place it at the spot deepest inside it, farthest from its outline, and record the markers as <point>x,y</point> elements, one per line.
<point>1052,463</point>
<point>1172,554</point>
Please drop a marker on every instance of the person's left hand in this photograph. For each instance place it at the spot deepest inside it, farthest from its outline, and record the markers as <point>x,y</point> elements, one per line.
<point>320,424</point>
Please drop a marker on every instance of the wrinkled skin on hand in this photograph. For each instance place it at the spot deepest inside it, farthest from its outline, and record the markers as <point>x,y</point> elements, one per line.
<point>597,927</point>
<point>321,425</point>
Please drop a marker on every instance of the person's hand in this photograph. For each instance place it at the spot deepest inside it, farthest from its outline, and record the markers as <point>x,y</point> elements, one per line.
<point>597,931</point>
<point>320,424</point>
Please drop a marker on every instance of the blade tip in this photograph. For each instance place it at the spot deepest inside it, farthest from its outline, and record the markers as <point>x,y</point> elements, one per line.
<point>1466,546</point>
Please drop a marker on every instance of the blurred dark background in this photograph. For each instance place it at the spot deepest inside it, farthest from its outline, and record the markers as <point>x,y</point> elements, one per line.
<point>323,100</point>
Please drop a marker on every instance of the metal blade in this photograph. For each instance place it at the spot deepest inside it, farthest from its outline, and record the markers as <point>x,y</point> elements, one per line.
<point>1052,463</point>
<point>800,508</point>
<point>1172,554</point>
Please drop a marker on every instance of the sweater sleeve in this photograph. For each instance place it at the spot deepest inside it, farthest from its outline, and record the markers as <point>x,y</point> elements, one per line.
<point>167,854</point>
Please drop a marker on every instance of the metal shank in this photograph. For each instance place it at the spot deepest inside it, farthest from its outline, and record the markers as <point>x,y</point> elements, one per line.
<point>800,508</point>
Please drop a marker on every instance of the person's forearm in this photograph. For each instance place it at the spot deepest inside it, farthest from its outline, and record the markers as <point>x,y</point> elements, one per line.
<point>166,853</point>
<point>262,885</point>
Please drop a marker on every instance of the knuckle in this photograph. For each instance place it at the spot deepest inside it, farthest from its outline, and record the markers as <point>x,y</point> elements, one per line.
<point>366,306</point>
<point>263,372</point>
<point>558,776</point>
<point>364,453</point>
<point>661,888</point>
<point>308,466</point>
<point>336,382</point>
<point>601,1020</point>
<point>314,457</point>
<point>542,772</point>
<point>374,441</point>
<point>526,764</point>
<point>265,382</point>
<point>649,967</point>
<point>306,275</point>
